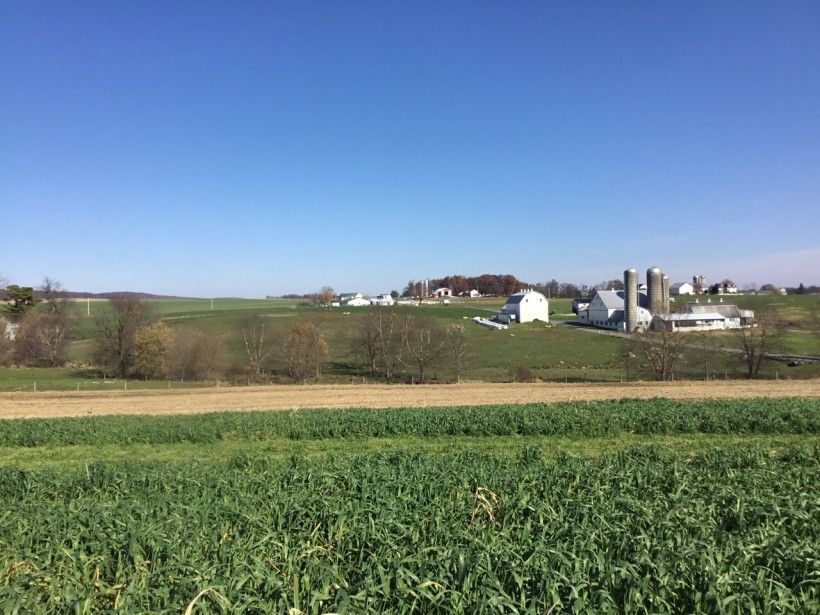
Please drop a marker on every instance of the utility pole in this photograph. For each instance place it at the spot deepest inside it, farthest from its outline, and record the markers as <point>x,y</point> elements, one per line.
<point>88,306</point>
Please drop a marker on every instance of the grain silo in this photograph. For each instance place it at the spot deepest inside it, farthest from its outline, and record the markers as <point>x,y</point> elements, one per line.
<point>631,299</point>
<point>665,293</point>
<point>654,288</point>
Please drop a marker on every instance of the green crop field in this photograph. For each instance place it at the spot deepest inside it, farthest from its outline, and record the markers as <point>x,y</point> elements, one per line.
<point>605,507</point>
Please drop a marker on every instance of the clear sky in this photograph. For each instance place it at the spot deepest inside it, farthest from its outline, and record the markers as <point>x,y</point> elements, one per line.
<point>254,148</point>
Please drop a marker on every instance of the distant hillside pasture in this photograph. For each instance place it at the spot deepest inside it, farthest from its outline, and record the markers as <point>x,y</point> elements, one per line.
<point>551,352</point>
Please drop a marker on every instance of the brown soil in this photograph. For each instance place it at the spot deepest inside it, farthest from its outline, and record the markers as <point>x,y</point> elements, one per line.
<point>286,397</point>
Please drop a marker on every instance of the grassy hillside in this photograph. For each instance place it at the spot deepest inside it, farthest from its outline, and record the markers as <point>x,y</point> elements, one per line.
<point>552,352</point>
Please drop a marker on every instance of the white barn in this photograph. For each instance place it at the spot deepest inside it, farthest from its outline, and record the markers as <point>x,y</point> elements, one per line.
<point>606,310</point>
<point>383,299</point>
<point>525,306</point>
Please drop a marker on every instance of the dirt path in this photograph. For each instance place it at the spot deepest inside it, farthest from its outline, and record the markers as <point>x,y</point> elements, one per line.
<point>285,397</point>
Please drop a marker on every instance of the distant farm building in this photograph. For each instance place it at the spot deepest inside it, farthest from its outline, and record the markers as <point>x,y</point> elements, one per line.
<point>383,299</point>
<point>606,310</point>
<point>470,293</point>
<point>353,300</point>
<point>681,288</point>
<point>443,292</point>
<point>525,306</point>
<point>634,310</point>
<point>704,317</point>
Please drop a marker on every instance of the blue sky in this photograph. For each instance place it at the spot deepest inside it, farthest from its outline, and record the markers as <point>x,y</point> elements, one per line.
<point>216,148</point>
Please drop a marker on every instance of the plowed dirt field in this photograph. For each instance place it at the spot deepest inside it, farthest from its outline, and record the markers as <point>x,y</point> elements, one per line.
<point>287,397</point>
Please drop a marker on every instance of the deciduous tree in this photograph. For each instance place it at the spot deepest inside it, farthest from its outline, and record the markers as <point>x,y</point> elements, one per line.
<point>152,350</point>
<point>118,324</point>
<point>197,355</point>
<point>259,344</point>
<point>53,295</point>
<point>423,342</point>
<point>754,343</point>
<point>662,351</point>
<point>41,340</point>
<point>457,346</point>
<point>305,351</point>
<point>326,295</point>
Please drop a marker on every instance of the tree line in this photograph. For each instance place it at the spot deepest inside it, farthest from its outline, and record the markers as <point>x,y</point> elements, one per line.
<point>502,285</point>
<point>388,341</point>
<point>131,341</point>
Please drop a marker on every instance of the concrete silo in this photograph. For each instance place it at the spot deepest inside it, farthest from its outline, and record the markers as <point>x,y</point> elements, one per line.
<point>665,293</point>
<point>654,290</point>
<point>631,300</point>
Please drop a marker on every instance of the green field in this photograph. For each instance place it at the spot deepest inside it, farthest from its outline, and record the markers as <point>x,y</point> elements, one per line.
<point>622,506</point>
<point>551,353</point>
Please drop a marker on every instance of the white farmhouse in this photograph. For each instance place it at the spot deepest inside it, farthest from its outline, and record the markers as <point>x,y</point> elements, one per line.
<point>525,306</point>
<point>443,292</point>
<point>681,288</point>
<point>606,310</point>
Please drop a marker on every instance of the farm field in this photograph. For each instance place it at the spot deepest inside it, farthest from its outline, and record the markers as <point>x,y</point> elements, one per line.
<point>614,506</point>
<point>200,400</point>
<point>551,353</point>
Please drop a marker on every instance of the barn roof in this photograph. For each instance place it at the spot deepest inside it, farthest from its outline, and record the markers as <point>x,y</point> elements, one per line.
<point>726,310</point>
<point>519,296</point>
<point>614,299</point>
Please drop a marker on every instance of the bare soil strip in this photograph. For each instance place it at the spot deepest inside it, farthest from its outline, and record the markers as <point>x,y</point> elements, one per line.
<point>288,397</point>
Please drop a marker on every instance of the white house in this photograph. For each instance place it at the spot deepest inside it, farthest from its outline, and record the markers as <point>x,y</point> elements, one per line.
<point>681,288</point>
<point>470,293</point>
<point>443,292</point>
<point>525,306</point>
<point>606,310</point>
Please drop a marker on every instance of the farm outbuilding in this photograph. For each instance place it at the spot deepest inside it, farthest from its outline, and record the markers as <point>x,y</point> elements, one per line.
<point>525,306</point>
<point>443,292</point>
<point>681,288</point>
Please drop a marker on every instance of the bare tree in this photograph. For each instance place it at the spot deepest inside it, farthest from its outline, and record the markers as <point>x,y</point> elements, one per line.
<point>41,340</point>
<point>755,342</point>
<point>305,351</point>
<point>197,355</point>
<point>389,341</point>
<point>707,353</point>
<point>662,351</point>
<point>259,344</point>
<point>629,352</point>
<point>423,342</point>
<point>119,322</point>
<point>54,296</point>
<point>457,342</point>
<point>365,343</point>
